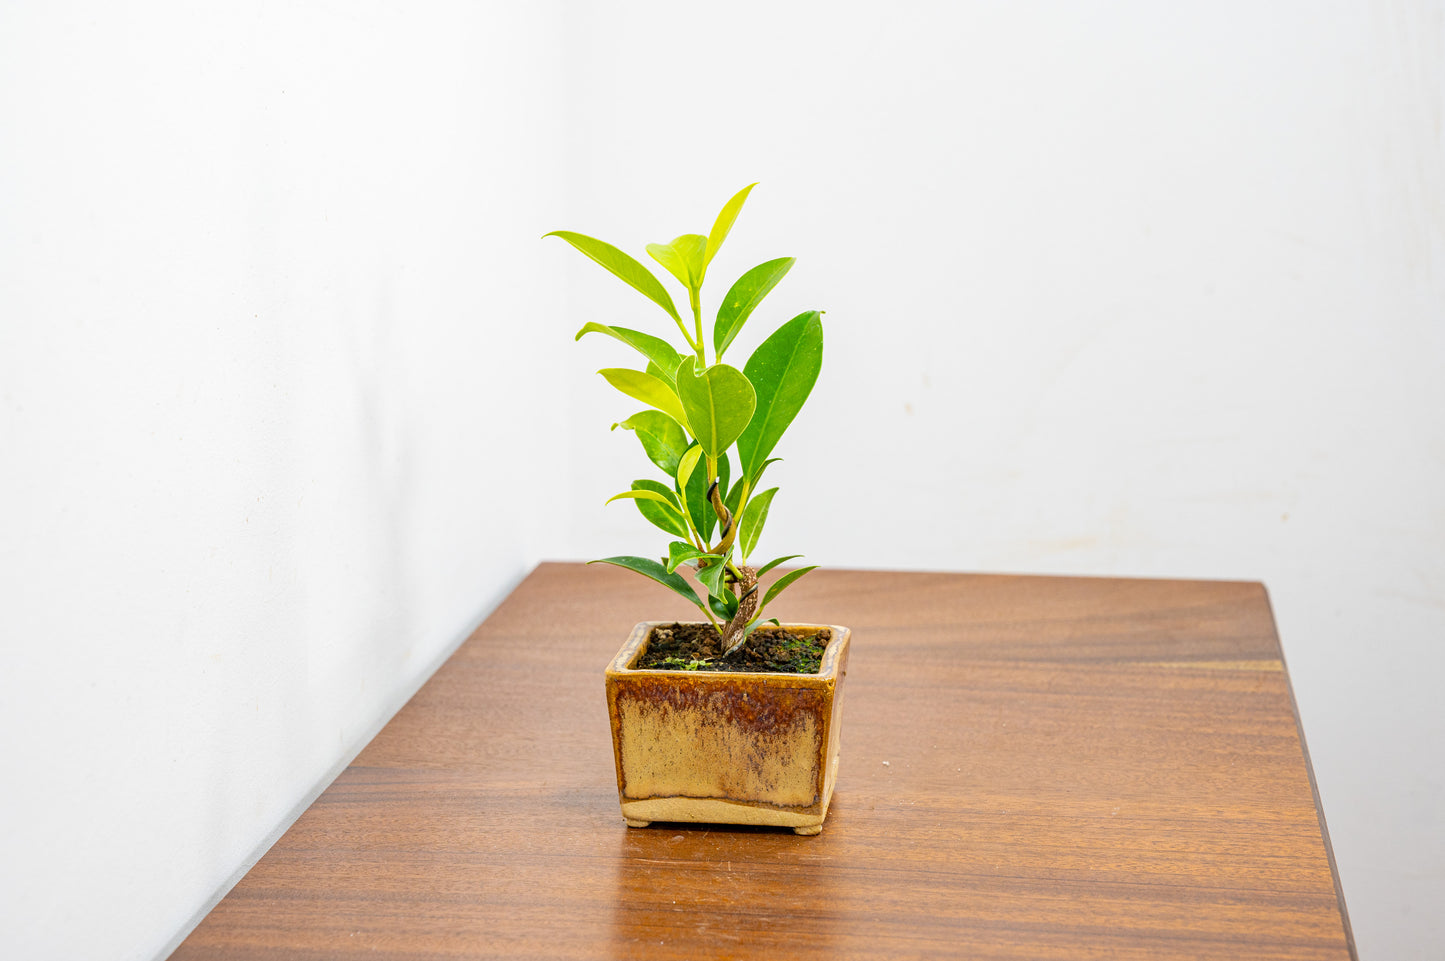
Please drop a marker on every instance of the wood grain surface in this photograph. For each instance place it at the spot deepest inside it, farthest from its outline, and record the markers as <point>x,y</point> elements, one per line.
<point>1032,768</point>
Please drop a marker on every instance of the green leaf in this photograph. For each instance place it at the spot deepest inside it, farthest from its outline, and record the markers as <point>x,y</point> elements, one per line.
<point>622,266</point>
<point>662,439</point>
<point>775,562</point>
<point>686,464</point>
<point>718,402</point>
<point>763,467</point>
<point>711,576</point>
<point>726,606</point>
<point>753,519</point>
<point>648,389</point>
<point>683,258</point>
<point>782,370</point>
<point>782,583</point>
<point>730,501</point>
<point>744,298</point>
<point>679,552</point>
<point>724,223</point>
<point>668,518</point>
<point>699,508</point>
<point>658,351</point>
<point>747,631</point>
<point>654,570</point>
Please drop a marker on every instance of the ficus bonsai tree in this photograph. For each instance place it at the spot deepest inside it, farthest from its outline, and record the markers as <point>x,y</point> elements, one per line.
<point>709,427</point>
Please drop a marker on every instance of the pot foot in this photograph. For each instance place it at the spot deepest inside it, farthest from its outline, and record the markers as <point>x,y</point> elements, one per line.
<point>808,832</point>
<point>633,823</point>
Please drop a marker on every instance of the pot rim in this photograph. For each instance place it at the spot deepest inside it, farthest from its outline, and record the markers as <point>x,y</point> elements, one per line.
<point>637,641</point>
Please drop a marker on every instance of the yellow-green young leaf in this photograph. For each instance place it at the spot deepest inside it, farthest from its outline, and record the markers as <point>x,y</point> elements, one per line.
<point>645,495</point>
<point>718,402</point>
<point>754,517</point>
<point>655,349</point>
<point>686,463</point>
<point>782,370</point>
<point>724,223</point>
<point>649,389</point>
<point>682,258</point>
<point>622,266</point>
<point>743,298</point>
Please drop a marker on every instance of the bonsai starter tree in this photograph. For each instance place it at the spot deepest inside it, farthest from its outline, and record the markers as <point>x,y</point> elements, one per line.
<point>709,427</point>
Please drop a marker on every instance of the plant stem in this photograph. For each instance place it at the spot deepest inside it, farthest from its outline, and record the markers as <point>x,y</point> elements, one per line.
<point>694,344</point>
<point>695,296</point>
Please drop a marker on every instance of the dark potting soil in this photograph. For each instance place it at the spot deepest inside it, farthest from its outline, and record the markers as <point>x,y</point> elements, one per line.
<point>695,647</point>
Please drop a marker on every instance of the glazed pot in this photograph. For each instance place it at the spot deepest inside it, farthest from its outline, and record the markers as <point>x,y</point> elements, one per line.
<point>726,747</point>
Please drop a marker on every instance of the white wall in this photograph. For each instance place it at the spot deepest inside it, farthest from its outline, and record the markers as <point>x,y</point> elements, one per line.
<point>1126,288</point>
<point>266,274</point>
<point>1119,288</point>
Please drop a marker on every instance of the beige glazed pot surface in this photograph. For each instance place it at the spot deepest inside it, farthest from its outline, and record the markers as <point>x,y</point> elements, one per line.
<point>726,747</point>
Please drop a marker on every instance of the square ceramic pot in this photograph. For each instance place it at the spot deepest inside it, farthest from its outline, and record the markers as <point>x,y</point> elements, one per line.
<point>726,747</point>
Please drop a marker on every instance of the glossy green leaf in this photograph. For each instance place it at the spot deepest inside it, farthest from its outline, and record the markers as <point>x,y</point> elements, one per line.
<point>622,266</point>
<point>775,562</point>
<point>759,475</point>
<point>662,439</point>
<point>664,515</point>
<point>647,388</point>
<point>711,576</point>
<point>659,352</point>
<point>724,223</point>
<point>753,519</point>
<point>734,496</point>
<point>783,583</point>
<point>744,298</point>
<point>726,606</point>
<point>679,552</point>
<point>718,402</point>
<point>683,258</point>
<point>782,370</point>
<point>699,508</point>
<point>654,570</point>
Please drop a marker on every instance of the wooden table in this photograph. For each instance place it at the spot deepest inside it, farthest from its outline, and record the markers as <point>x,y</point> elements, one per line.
<point>1032,767</point>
